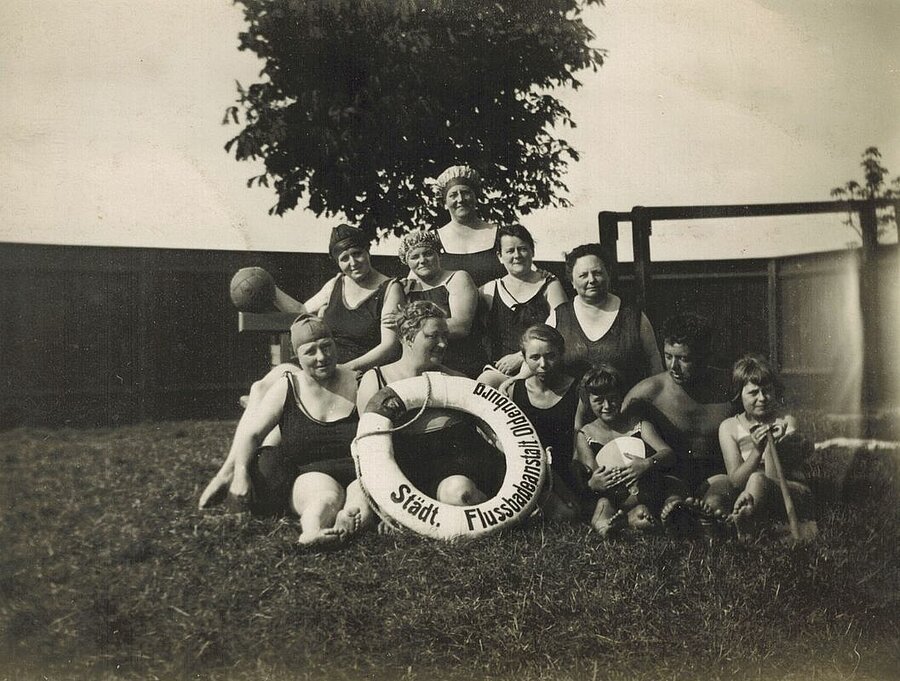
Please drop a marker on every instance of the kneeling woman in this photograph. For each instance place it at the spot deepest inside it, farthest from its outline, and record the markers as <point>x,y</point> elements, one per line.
<point>311,473</point>
<point>441,452</point>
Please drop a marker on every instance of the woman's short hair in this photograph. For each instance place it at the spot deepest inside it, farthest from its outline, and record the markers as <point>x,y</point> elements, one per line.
<point>417,239</point>
<point>412,316</point>
<point>580,252</point>
<point>754,368</point>
<point>514,230</point>
<point>545,333</point>
<point>688,329</point>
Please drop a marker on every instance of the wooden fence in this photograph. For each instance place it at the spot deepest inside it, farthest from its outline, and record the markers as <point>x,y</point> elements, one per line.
<point>103,336</point>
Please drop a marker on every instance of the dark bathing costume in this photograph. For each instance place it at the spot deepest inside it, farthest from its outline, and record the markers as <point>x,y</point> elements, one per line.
<point>505,325</point>
<point>355,330</point>
<point>465,355</point>
<point>307,445</point>
<point>456,449</point>
<point>555,428</point>
<point>482,266</point>
<point>620,346</point>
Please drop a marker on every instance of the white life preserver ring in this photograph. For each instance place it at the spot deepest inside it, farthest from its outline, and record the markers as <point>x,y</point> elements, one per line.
<point>395,497</point>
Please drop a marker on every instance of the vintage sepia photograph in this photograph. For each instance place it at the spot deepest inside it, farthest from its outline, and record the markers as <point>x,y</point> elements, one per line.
<point>449,340</point>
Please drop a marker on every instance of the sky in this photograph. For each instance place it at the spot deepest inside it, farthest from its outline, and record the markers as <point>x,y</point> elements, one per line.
<point>113,134</point>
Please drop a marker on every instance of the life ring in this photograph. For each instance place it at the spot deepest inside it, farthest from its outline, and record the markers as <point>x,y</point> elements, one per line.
<point>395,498</point>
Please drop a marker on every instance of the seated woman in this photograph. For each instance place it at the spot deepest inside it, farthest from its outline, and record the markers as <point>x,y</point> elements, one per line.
<point>467,240</point>
<point>636,487</point>
<point>453,291</point>
<point>441,452</point>
<point>549,398</point>
<point>311,473</point>
<point>751,483</point>
<point>521,298</point>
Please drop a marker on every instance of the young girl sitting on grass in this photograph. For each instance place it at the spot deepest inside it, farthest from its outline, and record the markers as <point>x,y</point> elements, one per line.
<point>630,494</point>
<point>752,483</point>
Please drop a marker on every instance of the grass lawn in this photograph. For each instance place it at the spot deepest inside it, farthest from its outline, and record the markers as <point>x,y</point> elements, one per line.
<point>109,571</point>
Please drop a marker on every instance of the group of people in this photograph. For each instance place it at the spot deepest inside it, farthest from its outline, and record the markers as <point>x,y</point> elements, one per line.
<point>585,371</point>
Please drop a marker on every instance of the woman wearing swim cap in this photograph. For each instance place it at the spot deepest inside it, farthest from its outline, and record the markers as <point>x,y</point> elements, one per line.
<point>453,290</point>
<point>466,240</point>
<point>310,474</point>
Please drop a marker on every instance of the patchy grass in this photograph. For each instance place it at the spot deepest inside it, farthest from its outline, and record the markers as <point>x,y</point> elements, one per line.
<point>108,571</point>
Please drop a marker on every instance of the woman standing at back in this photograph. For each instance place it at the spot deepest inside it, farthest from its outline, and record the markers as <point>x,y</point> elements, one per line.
<point>467,241</point>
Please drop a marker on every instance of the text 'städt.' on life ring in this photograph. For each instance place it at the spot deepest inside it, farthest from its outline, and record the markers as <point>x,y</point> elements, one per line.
<point>397,498</point>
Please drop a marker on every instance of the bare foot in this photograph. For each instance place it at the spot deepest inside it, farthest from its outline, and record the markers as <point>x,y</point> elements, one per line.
<point>607,528</point>
<point>348,521</point>
<point>215,491</point>
<point>388,528</point>
<point>744,505</point>
<point>640,518</point>
<point>676,518</point>
<point>322,539</point>
<point>712,521</point>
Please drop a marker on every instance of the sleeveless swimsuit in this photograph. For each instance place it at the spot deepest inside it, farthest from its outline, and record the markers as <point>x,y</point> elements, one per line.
<point>482,266</point>
<point>620,346</point>
<point>355,330</point>
<point>505,324</point>
<point>554,426</point>
<point>465,355</point>
<point>307,445</point>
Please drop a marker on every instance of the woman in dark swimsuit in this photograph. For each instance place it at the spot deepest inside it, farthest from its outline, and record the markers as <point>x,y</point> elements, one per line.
<point>523,297</point>
<point>467,241</point>
<point>441,452</point>
<point>599,327</point>
<point>310,473</point>
<point>549,398</point>
<point>453,291</point>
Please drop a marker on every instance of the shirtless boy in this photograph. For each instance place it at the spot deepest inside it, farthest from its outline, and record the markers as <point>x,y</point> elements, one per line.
<point>686,403</point>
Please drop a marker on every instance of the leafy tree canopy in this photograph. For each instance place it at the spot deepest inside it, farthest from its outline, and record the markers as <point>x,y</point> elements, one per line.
<point>362,101</point>
<point>875,185</point>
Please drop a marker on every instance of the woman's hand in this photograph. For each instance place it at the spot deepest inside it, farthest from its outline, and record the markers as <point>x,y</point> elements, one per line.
<point>602,480</point>
<point>510,364</point>
<point>634,469</point>
<point>758,433</point>
<point>389,319</point>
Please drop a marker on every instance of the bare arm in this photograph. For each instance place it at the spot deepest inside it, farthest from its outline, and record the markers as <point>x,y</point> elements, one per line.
<point>583,451</point>
<point>665,455</point>
<point>388,347</point>
<point>739,471</point>
<point>251,430</point>
<point>555,294</point>
<point>368,386</point>
<point>651,349</point>
<point>463,304</point>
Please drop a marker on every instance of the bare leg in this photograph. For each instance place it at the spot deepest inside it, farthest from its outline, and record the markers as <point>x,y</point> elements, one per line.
<point>316,499</point>
<point>607,519</point>
<point>459,490</point>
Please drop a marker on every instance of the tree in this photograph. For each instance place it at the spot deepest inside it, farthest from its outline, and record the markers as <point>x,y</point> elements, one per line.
<point>362,101</point>
<point>875,187</point>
